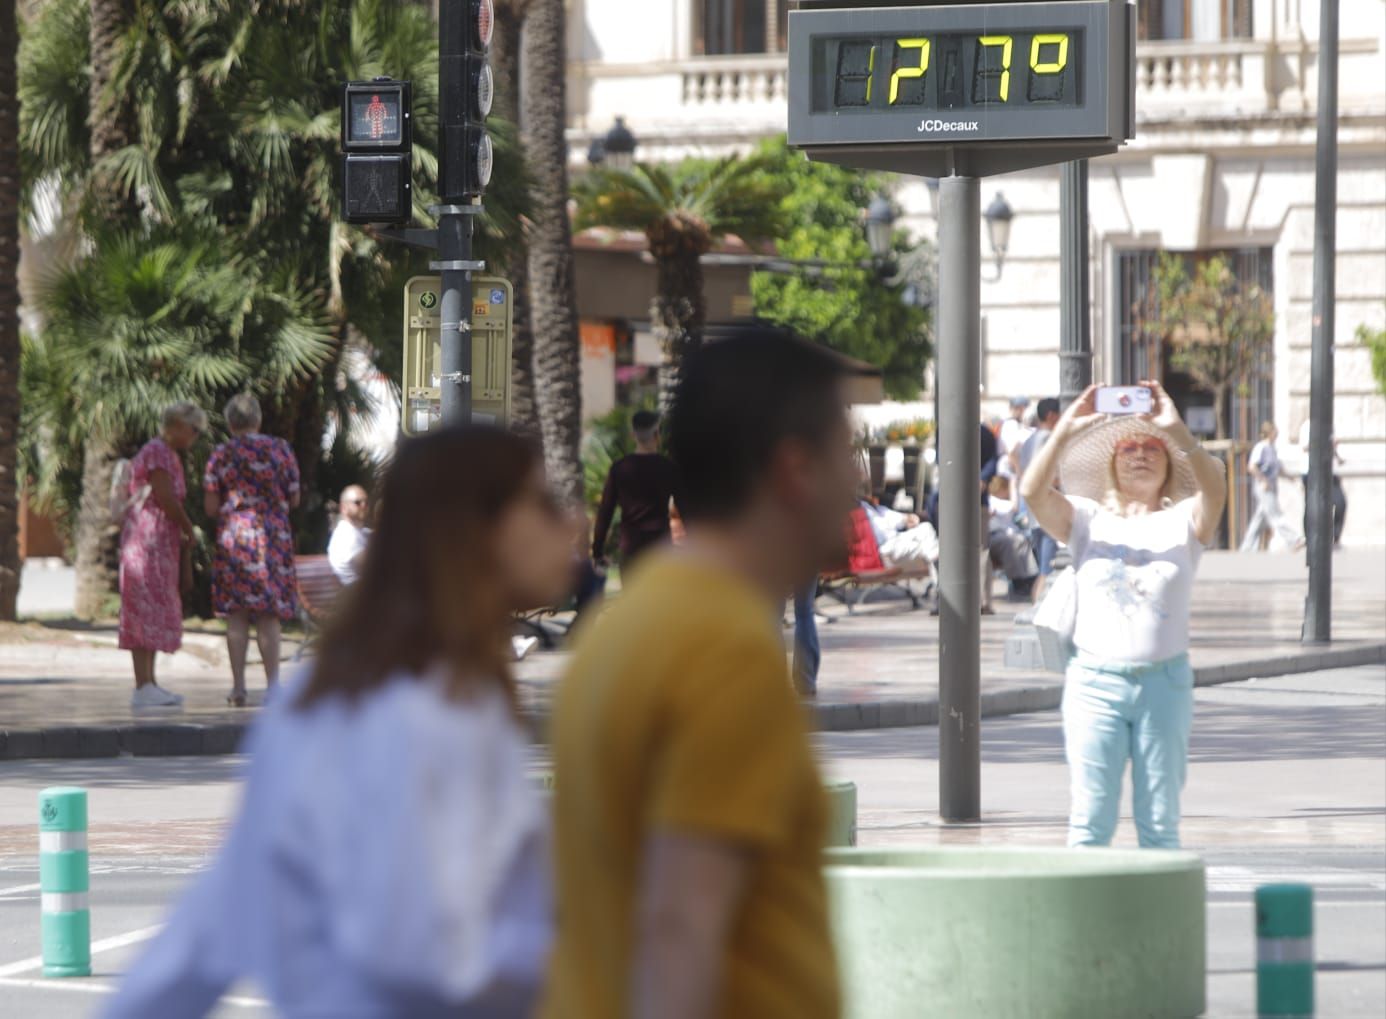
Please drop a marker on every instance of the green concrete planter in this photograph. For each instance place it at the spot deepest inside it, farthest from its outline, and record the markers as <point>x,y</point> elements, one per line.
<point>1010,932</point>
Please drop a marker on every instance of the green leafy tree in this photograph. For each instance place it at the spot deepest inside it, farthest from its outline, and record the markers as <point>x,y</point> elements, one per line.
<point>1375,341</point>
<point>228,123</point>
<point>683,211</point>
<point>1219,328</point>
<point>843,300</point>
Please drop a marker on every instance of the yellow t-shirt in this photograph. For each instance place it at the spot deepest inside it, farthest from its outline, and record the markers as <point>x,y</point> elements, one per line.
<point>677,715</point>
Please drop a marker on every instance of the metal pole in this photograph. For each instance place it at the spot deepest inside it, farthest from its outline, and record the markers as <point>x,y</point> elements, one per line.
<point>454,215</point>
<point>1318,605</point>
<point>454,247</point>
<point>1075,318</point>
<point>959,368</point>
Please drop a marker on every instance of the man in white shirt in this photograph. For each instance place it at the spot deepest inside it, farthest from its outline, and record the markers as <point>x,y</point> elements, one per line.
<point>1011,437</point>
<point>349,537</point>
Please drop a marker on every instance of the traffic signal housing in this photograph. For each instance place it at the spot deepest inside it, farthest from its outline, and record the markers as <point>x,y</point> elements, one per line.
<point>376,145</point>
<point>468,86</point>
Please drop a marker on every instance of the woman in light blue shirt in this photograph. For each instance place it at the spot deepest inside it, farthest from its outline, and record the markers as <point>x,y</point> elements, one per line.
<point>389,857</point>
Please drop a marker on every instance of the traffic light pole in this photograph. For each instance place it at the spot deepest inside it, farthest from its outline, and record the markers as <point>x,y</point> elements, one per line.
<point>959,415</point>
<point>455,306</point>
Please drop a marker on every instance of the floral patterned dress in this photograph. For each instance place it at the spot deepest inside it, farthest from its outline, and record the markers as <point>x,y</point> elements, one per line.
<point>255,477</point>
<point>151,606</point>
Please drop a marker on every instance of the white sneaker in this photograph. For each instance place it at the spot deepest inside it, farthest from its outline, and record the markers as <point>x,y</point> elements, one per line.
<point>151,695</point>
<point>523,646</point>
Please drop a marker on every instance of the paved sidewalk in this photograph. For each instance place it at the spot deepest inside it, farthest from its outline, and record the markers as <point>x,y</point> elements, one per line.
<point>65,693</point>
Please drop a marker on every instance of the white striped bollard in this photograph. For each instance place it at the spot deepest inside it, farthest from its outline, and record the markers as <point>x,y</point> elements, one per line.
<point>1285,951</point>
<point>64,882</point>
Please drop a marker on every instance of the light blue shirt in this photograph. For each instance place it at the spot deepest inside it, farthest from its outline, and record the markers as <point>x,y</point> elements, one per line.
<point>389,860</point>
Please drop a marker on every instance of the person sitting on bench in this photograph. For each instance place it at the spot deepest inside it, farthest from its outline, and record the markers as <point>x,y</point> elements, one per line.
<point>901,537</point>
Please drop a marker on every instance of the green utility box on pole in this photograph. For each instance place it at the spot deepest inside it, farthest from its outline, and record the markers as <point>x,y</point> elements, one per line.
<point>492,328</point>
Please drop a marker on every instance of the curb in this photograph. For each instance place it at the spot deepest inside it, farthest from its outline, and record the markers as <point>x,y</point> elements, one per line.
<point>170,739</point>
<point>1047,696</point>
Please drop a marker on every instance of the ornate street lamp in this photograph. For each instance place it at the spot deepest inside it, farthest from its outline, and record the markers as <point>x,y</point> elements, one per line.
<point>880,227</point>
<point>998,216</point>
<point>619,146</point>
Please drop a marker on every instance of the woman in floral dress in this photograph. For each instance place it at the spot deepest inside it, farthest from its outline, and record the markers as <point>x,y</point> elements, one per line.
<point>249,488</point>
<point>155,527</point>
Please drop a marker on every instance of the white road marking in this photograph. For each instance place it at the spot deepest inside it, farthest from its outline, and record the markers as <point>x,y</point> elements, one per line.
<point>87,986</point>
<point>104,945</point>
<point>16,889</point>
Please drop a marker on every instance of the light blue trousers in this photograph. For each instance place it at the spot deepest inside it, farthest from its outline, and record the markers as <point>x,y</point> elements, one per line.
<point>1114,712</point>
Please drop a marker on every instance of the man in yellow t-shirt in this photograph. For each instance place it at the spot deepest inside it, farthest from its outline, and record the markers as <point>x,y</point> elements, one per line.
<point>689,810</point>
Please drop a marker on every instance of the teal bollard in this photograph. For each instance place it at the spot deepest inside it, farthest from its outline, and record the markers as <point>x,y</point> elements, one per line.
<point>1284,950</point>
<point>64,883</point>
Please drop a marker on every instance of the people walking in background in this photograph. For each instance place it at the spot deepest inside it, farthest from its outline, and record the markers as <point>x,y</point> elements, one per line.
<point>808,653</point>
<point>1044,545</point>
<point>348,543</point>
<point>1339,496</point>
<point>155,542</point>
<point>689,812</point>
<point>1011,436</point>
<point>1265,468</point>
<point>641,486</point>
<point>389,857</point>
<point>1140,499</point>
<point>249,487</point>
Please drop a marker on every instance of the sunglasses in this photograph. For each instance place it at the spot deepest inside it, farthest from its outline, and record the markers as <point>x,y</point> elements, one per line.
<point>1127,447</point>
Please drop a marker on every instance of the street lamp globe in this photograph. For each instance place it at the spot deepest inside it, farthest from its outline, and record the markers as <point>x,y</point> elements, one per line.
<point>619,146</point>
<point>880,226</point>
<point>998,216</point>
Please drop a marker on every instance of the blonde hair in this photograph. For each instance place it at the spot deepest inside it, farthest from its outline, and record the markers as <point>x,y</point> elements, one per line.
<point>242,413</point>
<point>1114,502</point>
<point>184,412</point>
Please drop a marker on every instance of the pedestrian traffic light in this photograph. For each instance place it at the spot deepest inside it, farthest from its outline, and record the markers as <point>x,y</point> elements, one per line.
<point>468,91</point>
<point>376,144</point>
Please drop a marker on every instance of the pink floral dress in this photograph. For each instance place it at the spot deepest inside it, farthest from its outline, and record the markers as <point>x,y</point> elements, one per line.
<point>255,477</point>
<point>151,606</point>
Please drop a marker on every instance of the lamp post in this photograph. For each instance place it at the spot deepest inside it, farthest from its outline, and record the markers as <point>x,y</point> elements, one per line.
<point>880,227</point>
<point>998,216</point>
<point>618,146</point>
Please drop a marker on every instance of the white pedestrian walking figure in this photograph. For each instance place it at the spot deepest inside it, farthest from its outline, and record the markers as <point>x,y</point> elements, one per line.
<point>1265,468</point>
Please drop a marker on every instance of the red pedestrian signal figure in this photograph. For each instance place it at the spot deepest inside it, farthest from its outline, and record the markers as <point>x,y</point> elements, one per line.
<point>376,113</point>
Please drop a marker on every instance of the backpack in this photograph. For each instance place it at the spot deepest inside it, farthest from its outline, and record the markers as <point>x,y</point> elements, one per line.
<point>121,501</point>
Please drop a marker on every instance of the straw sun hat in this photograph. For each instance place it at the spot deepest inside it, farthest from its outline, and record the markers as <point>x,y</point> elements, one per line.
<point>1086,469</point>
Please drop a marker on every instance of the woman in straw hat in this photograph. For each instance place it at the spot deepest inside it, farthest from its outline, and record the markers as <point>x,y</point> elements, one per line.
<point>1140,498</point>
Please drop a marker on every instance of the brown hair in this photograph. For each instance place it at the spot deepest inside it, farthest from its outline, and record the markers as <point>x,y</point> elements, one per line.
<point>426,595</point>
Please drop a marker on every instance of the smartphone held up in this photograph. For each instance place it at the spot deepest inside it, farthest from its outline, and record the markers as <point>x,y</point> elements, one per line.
<point>1124,400</point>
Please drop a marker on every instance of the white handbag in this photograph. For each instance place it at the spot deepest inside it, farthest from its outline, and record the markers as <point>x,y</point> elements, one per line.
<point>1055,619</point>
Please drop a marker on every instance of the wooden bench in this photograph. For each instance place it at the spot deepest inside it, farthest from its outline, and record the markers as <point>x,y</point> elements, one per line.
<point>318,591</point>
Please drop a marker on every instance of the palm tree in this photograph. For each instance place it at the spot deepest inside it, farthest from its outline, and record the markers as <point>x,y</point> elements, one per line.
<point>557,354</point>
<point>683,212</point>
<point>505,64</point>
<point>9,310</point>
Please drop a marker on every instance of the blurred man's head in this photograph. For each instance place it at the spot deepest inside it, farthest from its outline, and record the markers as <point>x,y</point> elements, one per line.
<point>760,433</point>
<point>645,425</point>
<point>354,505</point>
<point>1047,413</point>
<point>1018,405</point>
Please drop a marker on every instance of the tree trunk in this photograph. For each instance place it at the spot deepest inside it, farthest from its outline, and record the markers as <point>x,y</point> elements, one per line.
<point>678,313</point>
<point>109,118</point>
<point>108,113</point>
<point>1220,408</point>
<point>9,312</point>
<point>557,350</point>
<point>505,63</point>
<point>97,537</point>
